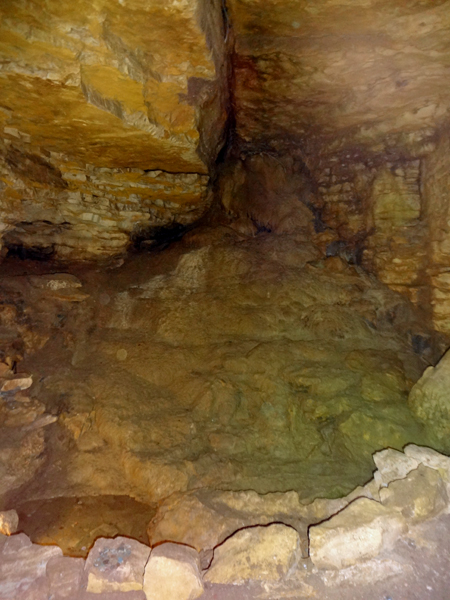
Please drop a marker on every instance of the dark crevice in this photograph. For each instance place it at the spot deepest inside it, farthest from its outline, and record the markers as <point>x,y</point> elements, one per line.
<point>148,237</point>
<point>40,253</point>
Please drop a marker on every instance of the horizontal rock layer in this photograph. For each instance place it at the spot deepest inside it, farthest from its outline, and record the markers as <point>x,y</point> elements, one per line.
<point>110,116</point>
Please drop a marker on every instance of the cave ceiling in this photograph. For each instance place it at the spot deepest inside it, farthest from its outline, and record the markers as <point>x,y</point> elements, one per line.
<point>113,112</point>
<point>341,73</point>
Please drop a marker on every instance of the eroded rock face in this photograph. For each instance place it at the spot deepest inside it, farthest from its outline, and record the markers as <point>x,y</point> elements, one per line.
<point>354,92</point>
<point>110,116</point>
<point>340,74</point>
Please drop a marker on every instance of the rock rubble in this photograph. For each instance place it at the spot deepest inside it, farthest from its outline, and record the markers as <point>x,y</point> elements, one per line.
<point>356,546</point>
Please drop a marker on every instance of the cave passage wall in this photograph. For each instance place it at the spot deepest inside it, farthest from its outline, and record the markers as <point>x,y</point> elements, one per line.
<point>331,114</point>
<point>112,114</point>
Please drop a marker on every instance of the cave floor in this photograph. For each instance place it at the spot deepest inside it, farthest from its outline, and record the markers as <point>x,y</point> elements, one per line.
<point>222,362</point>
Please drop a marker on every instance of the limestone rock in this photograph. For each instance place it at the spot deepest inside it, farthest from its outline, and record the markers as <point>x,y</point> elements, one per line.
<point>391,465</point>
<point>5,369</point>
<point>366,573</point>
<point>136,119</point>
<point>430,458</point>
<point>21,455</point>
<point>205,518</point>
<point>22,412</point>
<point>116,565</point>
<point>430,401</point>
<point>64,576</point>
<point>335,89</point>
<point>435,182</point>
<point>257,400</point>
<point>356,534</point>
<point>60,286</point>
<point>21,564</point>
<point>272,193</point>
<point>9,522</point>
<point>173,572</point>
<point>255,554</point>
<point>189,520</point>
<point>55,281</point>
<point>421,495</point>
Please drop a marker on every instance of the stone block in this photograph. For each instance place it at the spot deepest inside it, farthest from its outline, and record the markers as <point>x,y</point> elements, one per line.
<point>20,382</point>
<point>430,458</point>
<point>392,465</point>
<point>21,565</point>
<point>357,533</point>
<point>116,565</point>
<point>173,572</point>
<point>421,495</point>
<point>64,576</point>
<point>36,590</point>
<point>261,553</point>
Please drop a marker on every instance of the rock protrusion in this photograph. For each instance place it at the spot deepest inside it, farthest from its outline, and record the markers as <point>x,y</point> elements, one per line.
<point>9,522</point>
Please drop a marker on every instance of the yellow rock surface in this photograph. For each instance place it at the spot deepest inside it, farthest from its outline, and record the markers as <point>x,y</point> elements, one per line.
<point>111,87</point>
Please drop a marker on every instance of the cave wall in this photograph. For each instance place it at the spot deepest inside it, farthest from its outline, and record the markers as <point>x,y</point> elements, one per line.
<point>341,74</point>
<point>334,115</point>
<point>357,92</point>
<point>111,114</point>
<point>436,191</point>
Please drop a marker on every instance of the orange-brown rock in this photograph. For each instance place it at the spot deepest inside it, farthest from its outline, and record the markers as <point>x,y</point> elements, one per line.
<point>110,114</point>
<point>339,74</point>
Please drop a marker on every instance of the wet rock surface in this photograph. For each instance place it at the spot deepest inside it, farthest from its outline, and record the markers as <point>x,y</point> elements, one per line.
<point>240,364</point>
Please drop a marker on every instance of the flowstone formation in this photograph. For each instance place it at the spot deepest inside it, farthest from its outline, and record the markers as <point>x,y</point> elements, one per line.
<point>227,362</point>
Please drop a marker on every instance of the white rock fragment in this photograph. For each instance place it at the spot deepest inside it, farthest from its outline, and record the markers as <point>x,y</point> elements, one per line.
<point>421,495</point>
<point>392,465</point>
<point>358,533</point>
<point>173,572</point>
<point>261,553</point>
<point>366,573</point>
<point>56,281</point>
<point>42,421</point>
<point>9,522</point>
<point>116,565</point>
<point>430,458</point>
